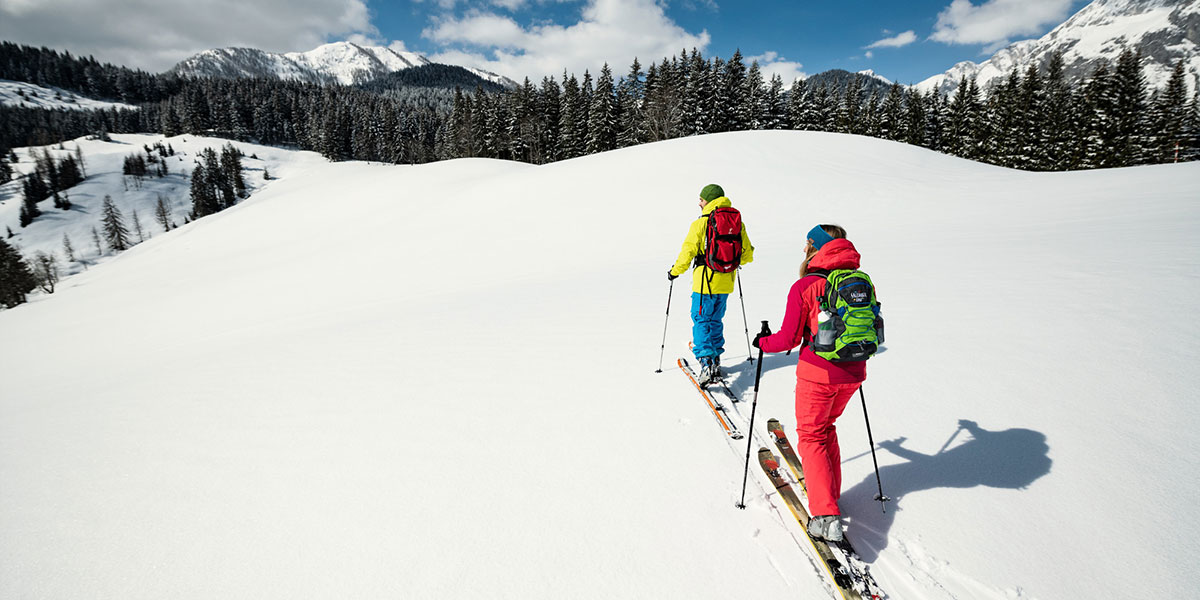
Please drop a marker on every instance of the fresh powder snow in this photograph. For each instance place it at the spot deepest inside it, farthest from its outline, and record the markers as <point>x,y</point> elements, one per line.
<point>437,381</point>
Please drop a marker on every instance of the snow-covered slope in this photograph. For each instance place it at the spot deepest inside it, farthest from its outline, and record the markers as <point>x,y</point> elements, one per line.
<point>103,163</point>
<point>437,382</point>
<point>1165,31</point>
<point>19,93</point>
<point>341,62</point>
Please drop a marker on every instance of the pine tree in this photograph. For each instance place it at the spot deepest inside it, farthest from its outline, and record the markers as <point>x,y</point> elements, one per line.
<point>891,114</point>
<point>16,280</point>
<point>700,99</point>
<point>662,105</point>
<point>34,191</point>
<point>755,98</point>
<point>631,95</point>
<point>602,117</point>
<point>115,232</point>
<point>137,227</point>
<point>775,105</point>
<point>797,101</point>
<point>1130,97</point>
<point>1098,120</point>
<point>1056,133</point>
<point>848,111</point>
<point>204,198</point>
<point>869,115</point>
<point>1171,118</point>
<point>96,242</point>
<point>1029,122</point>
<point>1190,146</point>
<point>914,120</point>
<point>162,214</point>
<point>570,145</point>
<point>79,159</point>
<point>549,104</point>
<point>736,108</point>
<point>68,248</point>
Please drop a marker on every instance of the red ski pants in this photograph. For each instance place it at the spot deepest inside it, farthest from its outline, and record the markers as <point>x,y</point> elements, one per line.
<point>818,405</point>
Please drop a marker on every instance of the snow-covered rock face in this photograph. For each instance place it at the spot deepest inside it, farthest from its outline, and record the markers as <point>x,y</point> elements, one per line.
<point>340,62</point>
<point>1165,31</point>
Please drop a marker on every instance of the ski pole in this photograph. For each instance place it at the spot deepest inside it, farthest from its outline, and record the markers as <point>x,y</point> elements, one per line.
<point>881,499</point>
<point>952,436</point>
<point>745,323</point>
<point>664,341</point>
<point>753,408</point>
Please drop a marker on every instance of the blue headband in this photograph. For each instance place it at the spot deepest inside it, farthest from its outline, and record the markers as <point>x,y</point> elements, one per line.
<point>819,237</point>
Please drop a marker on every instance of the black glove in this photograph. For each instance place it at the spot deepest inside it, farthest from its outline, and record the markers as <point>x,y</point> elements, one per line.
<point>671,276</point>
<point>762,334</point>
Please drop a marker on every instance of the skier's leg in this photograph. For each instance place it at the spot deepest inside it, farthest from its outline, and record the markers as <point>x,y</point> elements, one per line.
<point>814,404</point>
<point>699,330</point>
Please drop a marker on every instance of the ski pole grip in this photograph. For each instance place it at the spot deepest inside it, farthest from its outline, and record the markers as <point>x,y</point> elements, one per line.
<point>766,329</point>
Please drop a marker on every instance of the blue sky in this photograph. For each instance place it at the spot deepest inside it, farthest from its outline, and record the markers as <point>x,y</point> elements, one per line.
<point>926,36</point>
<point>902,40</point>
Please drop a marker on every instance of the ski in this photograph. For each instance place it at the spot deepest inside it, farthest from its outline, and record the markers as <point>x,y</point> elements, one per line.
<point>786,450</point>
<point>837,572</point>
<point>718,410</point>
<point>856,569</point>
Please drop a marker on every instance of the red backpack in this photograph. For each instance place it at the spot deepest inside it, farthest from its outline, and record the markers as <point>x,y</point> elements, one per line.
<point>723,240</point>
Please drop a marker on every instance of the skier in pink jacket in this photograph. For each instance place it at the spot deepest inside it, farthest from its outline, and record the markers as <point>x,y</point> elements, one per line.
<point>823,388</point>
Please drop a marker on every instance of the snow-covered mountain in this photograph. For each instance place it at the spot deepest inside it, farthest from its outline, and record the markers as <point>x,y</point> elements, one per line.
<point>328,390</point>
<point>339,62</point>
<point>1165,31</point>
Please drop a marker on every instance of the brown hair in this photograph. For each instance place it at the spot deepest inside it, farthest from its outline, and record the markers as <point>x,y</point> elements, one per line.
<point>836,232</point>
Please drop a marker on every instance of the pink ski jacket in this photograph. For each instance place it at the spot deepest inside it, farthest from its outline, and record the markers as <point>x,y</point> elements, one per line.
<point>800,319</point>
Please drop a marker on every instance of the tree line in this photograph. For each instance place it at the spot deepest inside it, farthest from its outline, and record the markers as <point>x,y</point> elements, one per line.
<point>1031,120</point>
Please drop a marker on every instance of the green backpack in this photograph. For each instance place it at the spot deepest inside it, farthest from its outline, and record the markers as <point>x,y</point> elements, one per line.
<point>849,327</point>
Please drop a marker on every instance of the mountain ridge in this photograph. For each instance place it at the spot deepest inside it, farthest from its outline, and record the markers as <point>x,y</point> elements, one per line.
<point>1164,31</point>
<point>344,63</point>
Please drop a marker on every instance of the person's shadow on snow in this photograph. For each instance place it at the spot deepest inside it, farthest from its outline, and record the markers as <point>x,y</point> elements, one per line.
<point>1012,459</point>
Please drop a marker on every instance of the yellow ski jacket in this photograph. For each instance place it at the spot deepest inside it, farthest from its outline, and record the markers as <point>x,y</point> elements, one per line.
<point>704,280</point>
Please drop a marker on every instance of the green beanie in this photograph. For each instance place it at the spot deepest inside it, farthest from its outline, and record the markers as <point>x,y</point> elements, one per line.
<point>711,192</point>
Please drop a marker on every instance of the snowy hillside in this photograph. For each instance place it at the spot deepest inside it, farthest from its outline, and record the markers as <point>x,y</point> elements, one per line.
<point>19,93</point>
<point>1165,31</point>
<point>436,381</point>
<point>103,162</point>
<point>341,62</point>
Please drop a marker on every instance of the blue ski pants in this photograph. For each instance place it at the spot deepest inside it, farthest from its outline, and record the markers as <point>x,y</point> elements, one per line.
<point>708,331</point>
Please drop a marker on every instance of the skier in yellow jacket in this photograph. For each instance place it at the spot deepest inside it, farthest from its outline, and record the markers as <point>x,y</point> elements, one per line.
<point>710,289</point>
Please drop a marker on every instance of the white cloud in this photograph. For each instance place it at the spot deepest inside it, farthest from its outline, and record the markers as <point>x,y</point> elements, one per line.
<point>896,41</point>
<point>155,35</point>
<point>869,54</point>
<point>609,30</point>
<point>995,21</point>
<point>770,63</point>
